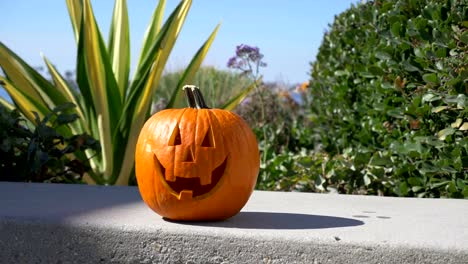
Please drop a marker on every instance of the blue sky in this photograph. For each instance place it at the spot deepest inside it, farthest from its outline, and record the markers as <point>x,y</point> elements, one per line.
<point>288,33</point>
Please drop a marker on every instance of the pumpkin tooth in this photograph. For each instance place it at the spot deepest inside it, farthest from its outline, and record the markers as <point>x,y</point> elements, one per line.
<point>205,179</point>
<point>185,195</point>
<point>170,176</point>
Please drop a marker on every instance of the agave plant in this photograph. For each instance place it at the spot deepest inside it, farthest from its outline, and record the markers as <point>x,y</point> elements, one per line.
<point>112,106</point>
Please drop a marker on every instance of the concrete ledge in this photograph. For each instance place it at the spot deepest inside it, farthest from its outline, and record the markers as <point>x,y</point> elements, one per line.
<point>52,223</point>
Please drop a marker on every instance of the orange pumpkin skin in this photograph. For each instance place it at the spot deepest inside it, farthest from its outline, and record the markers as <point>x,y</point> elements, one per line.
<point>196,164</point>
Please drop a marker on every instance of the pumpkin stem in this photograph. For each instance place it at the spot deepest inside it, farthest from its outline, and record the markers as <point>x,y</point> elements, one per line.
<point>199,100</point>
<point>189,95</point>
<point>195,97</point>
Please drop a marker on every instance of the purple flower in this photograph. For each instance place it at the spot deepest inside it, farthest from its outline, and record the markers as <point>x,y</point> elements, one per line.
<point>232,62</point>
<point>246,51</point>
<point>248,59</point>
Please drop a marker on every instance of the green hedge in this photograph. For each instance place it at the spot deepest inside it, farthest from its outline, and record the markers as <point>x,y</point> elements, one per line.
<point>389,88</point>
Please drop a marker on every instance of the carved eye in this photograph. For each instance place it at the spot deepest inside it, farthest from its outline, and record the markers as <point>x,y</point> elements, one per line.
<point>208,140</point>
<point>175,138</point>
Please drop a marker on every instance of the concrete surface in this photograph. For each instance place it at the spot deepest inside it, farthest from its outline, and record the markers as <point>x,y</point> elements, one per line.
<point>53,223</point>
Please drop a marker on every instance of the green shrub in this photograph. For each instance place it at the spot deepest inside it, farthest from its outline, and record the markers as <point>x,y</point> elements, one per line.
<point>41,153</point>
<point>283,134</point>
<point>389,89</point>
<point>278,122</point>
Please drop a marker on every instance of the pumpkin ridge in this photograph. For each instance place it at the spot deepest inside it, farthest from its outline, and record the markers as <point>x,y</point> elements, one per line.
<point>180,132</point>
<point>212,114</point>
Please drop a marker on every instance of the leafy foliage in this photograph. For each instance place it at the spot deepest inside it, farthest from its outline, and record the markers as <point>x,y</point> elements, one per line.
<point>389,89</point>
<point>43,153</point>
<point>284,122</point>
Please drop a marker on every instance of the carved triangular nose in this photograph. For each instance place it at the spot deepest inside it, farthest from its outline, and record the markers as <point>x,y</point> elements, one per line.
<point>188,157</point>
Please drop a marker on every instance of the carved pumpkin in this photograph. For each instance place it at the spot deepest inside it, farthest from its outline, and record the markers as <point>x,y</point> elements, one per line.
<point>196,163</point>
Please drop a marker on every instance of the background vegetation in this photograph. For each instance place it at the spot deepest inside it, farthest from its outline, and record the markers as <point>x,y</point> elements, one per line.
<point>218,86</point>
<point>384,111</point>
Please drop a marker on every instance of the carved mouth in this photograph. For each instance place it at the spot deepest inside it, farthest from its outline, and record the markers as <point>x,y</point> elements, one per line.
<point>192,187</point>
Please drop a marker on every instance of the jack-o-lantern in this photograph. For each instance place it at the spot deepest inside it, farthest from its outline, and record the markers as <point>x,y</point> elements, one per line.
<point>196,163</point>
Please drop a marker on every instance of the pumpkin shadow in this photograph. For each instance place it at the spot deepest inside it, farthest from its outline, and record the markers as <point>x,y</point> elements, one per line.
<point>278,220</point>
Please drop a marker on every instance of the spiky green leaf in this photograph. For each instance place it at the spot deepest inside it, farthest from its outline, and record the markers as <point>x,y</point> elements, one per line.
<point>192,68</point>
<point>119,46</point>
<point>231,104</point>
